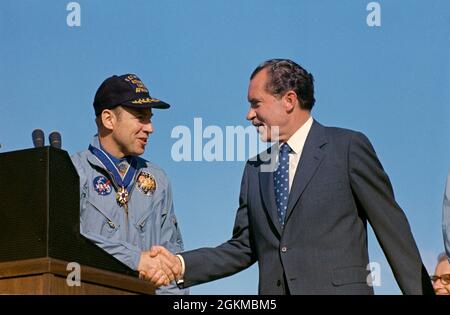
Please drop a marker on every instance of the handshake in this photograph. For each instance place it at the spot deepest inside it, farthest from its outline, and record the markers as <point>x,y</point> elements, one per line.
<point>159,266</point>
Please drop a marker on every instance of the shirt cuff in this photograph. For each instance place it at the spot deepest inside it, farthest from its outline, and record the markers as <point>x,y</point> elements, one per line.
<point>180,280</point>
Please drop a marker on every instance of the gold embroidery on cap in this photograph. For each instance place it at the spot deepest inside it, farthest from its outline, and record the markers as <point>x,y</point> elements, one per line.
<point>145,100</point>
<point>139,85</point>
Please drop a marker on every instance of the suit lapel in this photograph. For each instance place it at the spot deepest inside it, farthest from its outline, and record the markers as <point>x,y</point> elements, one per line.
<point>312,155</point>
<point>268,192</point>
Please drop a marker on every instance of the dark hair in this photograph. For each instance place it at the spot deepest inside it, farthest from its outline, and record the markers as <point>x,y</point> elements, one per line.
<point>285,75</point>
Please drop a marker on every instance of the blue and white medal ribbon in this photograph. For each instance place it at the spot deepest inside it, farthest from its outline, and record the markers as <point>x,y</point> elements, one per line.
<point>121,182</point>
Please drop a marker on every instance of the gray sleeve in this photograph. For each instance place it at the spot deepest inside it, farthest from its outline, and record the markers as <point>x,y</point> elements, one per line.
<point>208,264</point>
<point>373,191</point>
<point>446,216</point>
<point>170,239</point>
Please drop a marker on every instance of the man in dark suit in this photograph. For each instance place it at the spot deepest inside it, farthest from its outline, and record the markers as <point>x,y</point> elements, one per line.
<point>305,223</point>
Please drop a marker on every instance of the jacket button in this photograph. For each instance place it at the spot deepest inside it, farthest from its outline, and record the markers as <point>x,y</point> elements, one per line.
<point>284,249</point>
<point>278,283</point>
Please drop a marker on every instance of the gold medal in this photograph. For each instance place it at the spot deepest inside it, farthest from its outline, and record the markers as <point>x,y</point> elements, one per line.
<point>122,196</point>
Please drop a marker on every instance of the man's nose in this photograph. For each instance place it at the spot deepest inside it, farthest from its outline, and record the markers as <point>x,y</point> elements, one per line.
<point>148,128</point>
<point>438,284</point>
<point>251,114</point>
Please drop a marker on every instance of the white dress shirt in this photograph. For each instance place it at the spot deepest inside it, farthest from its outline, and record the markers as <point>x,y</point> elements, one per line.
<point>297,142</point>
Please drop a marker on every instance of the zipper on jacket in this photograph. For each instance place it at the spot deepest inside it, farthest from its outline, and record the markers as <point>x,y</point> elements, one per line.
<point>125,206</point>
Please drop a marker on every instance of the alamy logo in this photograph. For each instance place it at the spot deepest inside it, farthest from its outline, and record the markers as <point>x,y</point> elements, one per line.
<point>374,17</point>
<point>74,17</point>
<point>231,143</point>
<point>74,277</point>
<point>374,278</point>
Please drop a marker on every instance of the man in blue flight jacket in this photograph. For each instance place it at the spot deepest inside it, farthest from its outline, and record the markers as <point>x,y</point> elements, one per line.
<point>126,202</point>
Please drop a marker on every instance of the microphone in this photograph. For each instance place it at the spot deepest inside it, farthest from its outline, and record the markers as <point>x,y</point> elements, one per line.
<point>38,138</point>
<point>55,139</point>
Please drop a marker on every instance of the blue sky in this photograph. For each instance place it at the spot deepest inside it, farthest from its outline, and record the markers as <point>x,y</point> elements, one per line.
<point>390,82</point>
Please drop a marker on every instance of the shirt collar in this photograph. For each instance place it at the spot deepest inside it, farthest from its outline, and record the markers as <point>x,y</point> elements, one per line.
<point>115,160</point>
<point>298,139</point>
<point>96,143</point>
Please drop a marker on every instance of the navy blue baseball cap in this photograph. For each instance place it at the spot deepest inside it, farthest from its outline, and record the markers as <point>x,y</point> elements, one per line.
<point>124,90</point>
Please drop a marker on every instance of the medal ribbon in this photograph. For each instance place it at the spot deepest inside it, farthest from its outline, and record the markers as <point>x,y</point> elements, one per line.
<point>112,168</point>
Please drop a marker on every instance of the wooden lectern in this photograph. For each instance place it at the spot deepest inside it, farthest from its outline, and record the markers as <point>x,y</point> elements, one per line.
<point>40,232</point>
<point>49,276</point>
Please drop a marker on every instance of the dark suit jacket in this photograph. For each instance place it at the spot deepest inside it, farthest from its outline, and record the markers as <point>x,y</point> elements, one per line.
<point>338,187</point>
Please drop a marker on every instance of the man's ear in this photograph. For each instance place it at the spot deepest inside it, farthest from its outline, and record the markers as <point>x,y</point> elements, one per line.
<point>108,118</point>
<point>290,100</point>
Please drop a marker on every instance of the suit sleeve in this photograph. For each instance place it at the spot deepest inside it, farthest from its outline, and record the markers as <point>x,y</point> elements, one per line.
<point>170,239</point>
<point>374,194</point>
<point>208,264</point>
<point>446,216</point>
